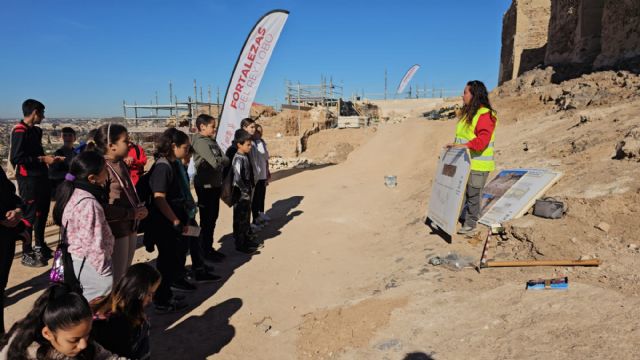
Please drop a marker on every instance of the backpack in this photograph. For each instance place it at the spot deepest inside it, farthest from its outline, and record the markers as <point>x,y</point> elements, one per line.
<point>226,194</point>
<point>62,271</point>
<point>143,188</point>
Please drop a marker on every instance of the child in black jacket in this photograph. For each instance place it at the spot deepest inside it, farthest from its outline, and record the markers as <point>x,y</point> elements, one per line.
<point>242,191</point>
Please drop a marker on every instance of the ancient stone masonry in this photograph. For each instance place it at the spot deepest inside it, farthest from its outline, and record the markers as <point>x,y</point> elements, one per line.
<point>524,37</point>
<point>573,36</point>
<point>620,36</point>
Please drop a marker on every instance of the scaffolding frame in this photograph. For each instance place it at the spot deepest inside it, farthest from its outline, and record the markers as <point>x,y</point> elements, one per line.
<point>324,94</point>
<point>187,110</point>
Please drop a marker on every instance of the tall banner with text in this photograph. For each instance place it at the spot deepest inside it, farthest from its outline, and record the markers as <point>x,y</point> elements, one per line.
<point>248,73</point>
<point>407,77</point>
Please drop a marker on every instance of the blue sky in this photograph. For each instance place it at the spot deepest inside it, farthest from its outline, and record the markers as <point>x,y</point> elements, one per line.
<point>82,58</point>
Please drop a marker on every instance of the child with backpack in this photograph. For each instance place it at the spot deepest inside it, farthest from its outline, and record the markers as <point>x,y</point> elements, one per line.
<point>124,210</point>
<point>243,184</point>
<point>168,216</point>
<point>80,214</point>
<point>57,327</point>
<point>120,324</point>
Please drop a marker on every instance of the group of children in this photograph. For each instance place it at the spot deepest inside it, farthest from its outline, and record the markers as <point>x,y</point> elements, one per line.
<point>101,207</point>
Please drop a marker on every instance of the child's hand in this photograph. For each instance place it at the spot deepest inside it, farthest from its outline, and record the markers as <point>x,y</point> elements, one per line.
<point>47,159</point>
<point>141,213</point>
<point>128,160</point>
<point>13,218</point>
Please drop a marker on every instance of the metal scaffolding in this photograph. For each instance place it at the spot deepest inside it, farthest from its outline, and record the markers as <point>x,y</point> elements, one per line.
<point>177,111</point>
<point>323,94</point>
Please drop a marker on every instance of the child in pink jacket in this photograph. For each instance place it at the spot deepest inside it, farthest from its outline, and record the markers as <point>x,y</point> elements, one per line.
<point>79,211</point>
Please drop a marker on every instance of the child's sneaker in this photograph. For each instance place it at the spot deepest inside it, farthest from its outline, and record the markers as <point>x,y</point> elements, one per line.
<point>170,306</point>
<point>205,276</point>
<point>44,251</point>
<point>182,285</point>
<point>33,260</point>
<point>264,217</point>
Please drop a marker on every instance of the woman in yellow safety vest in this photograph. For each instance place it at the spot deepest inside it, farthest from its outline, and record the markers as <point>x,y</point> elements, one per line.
<point>476,131</point>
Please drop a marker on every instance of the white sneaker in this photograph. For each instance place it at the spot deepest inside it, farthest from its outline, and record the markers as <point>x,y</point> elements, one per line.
<point>264,217</point>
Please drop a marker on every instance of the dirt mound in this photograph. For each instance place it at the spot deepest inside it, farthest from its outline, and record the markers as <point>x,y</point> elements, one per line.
<point>594,89</point>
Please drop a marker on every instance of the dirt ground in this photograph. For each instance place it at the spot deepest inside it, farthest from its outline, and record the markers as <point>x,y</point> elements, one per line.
<point>344,272</point>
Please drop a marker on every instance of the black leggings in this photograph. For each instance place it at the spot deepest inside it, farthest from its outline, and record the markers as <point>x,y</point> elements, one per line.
<point>7,251</point>
<point>170,261</point>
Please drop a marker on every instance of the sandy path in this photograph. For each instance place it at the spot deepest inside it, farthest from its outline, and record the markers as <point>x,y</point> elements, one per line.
<point>343,274</point>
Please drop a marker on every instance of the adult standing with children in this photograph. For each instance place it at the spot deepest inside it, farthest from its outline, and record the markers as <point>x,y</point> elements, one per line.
<point>476,131</point>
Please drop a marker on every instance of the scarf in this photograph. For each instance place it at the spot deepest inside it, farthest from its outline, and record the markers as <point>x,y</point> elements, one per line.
<point>99,192</point>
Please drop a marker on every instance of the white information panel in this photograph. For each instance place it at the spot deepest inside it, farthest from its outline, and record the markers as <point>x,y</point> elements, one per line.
<point>449,185</point>
<point>528,186</point>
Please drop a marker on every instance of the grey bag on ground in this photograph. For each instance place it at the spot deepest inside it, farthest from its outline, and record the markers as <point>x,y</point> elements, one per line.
<point>549,208</point>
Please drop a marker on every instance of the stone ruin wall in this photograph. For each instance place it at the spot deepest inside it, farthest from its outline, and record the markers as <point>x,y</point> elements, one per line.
<point>573,36</point>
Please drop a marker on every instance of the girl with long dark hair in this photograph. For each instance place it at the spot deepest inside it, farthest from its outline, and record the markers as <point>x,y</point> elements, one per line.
<point>57,327</point>
<point>476,131</point>
<point>80,214</point>
<point>168,215</point>
<point>120,324</point>
<point>124,209</point>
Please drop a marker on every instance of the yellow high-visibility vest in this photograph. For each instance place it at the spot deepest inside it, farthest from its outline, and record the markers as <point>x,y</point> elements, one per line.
<point>480,160</point>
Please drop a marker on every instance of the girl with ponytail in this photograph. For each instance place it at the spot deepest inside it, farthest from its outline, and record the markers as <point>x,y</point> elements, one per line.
<point>58,327</point>
<point>79,211</point>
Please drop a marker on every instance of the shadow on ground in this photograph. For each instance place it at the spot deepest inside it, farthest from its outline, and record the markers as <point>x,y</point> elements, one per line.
<point>418,356</point>
<point>197,337</point>
<point>281,174</point>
